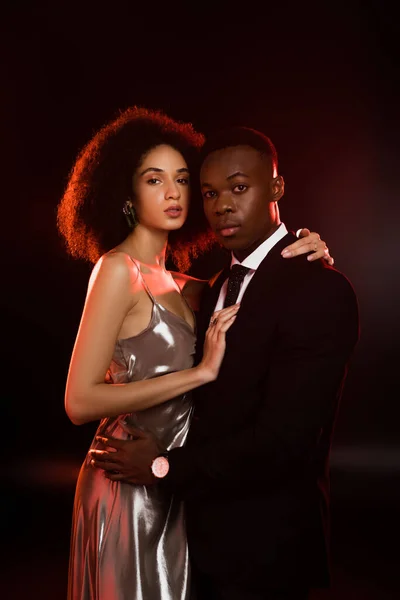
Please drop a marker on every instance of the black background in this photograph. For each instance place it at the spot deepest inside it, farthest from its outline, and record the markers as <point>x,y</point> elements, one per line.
<point>322,81</point>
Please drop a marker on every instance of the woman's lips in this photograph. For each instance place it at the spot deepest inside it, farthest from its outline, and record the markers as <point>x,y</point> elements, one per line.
<point>173,212</point>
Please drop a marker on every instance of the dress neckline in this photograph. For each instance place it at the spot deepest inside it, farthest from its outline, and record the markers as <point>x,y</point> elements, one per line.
<point>177,288</point>
<point>151,322</point>
<point>193,328</point>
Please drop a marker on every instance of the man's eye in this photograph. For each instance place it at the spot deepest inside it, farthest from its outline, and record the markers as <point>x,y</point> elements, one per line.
<point>241,187</point>
<point>209,195</point>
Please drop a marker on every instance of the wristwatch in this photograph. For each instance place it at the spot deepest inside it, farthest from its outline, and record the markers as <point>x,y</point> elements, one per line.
<point>160,466</point>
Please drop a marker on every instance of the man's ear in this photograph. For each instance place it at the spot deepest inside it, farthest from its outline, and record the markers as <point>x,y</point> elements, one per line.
<point>278,188</point>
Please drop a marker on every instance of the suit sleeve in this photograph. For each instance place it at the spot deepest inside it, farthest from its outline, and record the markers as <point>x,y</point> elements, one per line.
<point>299,394</point>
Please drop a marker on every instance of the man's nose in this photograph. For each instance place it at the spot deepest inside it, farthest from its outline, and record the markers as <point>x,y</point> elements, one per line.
<point>223,204</point>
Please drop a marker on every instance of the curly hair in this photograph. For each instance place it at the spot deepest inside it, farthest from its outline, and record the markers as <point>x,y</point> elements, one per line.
<point>90,216</point>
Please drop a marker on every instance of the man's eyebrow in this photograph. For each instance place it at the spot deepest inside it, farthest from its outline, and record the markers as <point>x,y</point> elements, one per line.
<point>158,170</point>
<point>236,174</point>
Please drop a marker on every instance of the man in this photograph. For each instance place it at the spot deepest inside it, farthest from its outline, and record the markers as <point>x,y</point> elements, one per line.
<point>254,471</point>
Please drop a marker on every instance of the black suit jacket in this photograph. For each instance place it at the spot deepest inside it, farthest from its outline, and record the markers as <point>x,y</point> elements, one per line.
<point>254,472</point>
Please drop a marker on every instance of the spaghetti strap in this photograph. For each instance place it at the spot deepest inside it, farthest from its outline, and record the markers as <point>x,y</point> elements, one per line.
<point>146,287</point>
<point>161,306</point>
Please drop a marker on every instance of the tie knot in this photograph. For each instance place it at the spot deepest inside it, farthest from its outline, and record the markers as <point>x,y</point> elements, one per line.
<point>238,272</point>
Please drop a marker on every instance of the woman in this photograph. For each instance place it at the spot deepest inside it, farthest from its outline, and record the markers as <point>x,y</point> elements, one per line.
<point>132,360</point>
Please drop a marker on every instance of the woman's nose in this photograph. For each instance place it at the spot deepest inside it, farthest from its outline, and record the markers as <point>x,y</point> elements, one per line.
<point>172,190</point>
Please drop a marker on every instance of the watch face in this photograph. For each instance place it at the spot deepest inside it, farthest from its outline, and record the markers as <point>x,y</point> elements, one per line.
<point>160,466</point>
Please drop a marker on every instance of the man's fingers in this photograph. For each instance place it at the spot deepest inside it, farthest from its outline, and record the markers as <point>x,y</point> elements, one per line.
<point>110,441</point>
<point>133,431</point>
<point>99,454</point>
<point>104,464</point>
<point>104,456</point>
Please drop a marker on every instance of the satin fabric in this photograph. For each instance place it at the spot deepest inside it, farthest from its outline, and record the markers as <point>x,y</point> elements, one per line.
<point>129,542</point>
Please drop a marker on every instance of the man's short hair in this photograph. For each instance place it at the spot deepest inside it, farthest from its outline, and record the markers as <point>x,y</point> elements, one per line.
<point>240,136</point>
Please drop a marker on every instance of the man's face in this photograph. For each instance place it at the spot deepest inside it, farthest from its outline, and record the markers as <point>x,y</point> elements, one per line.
<point>240,194</point>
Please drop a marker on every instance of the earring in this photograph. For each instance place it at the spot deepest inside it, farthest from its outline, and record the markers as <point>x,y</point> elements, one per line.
<point>130,214</point>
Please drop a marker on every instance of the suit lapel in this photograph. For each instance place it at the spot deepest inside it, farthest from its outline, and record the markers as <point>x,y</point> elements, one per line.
<point>265,274</point>
<point>255,298</point>
<point>258,297</point>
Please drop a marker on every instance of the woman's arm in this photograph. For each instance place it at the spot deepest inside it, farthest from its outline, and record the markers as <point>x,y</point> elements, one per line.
<point>113,291</point>
<point>308,242</point>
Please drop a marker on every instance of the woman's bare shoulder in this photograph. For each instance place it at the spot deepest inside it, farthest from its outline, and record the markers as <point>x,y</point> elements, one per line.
<point>114,269</point>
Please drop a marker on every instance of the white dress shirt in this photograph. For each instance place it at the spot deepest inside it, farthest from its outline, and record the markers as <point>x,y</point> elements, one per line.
<point>252,262</point>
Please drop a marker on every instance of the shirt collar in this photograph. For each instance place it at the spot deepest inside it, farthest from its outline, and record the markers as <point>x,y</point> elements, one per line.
<point>254,259</point>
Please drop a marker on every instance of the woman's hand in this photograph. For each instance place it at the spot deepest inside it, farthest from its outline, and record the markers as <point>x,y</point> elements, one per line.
<point>309,242</point>
<point>214,344</point>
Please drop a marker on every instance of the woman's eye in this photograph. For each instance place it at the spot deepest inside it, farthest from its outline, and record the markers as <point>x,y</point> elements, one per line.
<point>183,181</point>
<point>241,187</point>
<point>152,181</point>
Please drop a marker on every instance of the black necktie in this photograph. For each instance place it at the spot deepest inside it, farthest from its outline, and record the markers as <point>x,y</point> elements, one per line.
<point>236,276</point>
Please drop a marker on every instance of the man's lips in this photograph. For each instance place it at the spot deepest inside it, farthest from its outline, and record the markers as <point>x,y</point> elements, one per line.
<point>228,229</point>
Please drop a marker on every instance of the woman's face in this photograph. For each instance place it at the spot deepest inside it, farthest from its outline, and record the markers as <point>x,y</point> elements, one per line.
<point>161,189</point>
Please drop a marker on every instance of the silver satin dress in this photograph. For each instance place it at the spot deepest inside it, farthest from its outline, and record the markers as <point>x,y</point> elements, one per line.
<point>129,542</point>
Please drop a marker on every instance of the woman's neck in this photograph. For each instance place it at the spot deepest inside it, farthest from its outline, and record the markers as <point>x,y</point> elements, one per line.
<point>147,246</point>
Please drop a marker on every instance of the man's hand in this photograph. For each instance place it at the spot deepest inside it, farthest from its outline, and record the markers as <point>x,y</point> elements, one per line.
<point>127,460</point>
